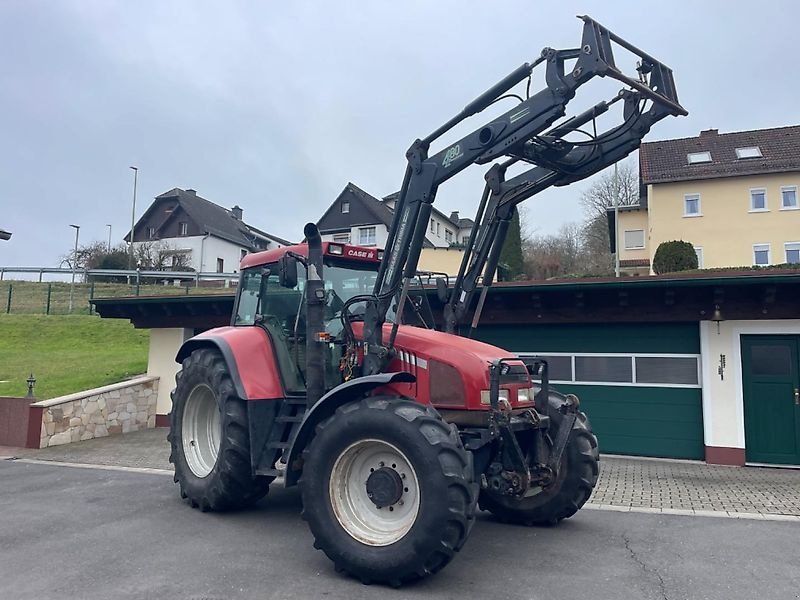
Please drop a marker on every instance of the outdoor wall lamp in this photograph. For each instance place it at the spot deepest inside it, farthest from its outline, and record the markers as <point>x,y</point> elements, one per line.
<point>31,382</point>
<point>717,316</point>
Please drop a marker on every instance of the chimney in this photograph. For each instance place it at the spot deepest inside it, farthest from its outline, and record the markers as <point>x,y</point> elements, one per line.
<point>709,132</point>
<point>236,211</point>
<point>191,192</point>
<point>454,217</point>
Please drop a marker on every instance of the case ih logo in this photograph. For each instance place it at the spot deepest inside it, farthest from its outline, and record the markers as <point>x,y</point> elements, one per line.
<point>360,253</point>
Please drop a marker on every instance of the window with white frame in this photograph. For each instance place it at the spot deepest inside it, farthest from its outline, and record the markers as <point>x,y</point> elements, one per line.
<point>792,252</point>
<point>448,236</point>
<point>433,226</point>
<point>634,239</point>
<point>439,229</point>
<point>699,252</point>
<point>748,152</point>
<point>183,228</point>
<point>645,370</point>
<point>758,200</point>
<point>691,205</point>
<point>694,158</point>
<point>366,236</point>
<point>761,254</point>
<point>151,233</point>
<point>789,197</point>
<point>345,207</point>
<point>341,238</point>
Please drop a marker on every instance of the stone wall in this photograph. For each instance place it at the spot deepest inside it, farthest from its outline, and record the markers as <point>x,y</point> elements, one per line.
<point>109,410</point>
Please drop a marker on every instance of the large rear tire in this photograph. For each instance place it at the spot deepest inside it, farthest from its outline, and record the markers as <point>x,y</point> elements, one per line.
<point>209,437</point>
<point>388,490</point>
<point>572,488</point>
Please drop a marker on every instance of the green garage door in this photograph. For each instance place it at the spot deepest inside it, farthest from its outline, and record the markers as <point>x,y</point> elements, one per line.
<point>639,384</point>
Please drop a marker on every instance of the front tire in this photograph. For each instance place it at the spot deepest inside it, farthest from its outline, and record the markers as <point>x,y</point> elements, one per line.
<point>209,437</point>
<point>572,488</point>
<point>388,490</point>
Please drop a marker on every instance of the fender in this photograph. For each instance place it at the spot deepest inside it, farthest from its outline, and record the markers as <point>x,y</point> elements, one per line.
<point>328,404</point>
<point>249,356</point>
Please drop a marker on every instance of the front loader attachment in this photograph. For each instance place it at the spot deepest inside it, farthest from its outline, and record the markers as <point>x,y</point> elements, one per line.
<point>655,81</point>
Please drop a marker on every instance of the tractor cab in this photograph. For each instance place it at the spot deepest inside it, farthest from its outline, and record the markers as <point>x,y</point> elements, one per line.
<point>272,294</point>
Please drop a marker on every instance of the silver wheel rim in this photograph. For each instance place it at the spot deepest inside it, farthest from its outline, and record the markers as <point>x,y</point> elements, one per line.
<point>202,430</point>
<point>355,511</point>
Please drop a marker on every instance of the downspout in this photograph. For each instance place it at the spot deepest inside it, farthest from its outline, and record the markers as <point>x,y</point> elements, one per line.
<point>200,267</point>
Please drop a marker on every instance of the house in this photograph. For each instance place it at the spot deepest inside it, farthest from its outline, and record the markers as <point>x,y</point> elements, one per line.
<point>199,234</point>
<point>356,217</point>
<point>733,196</point>
<point>359,218</point>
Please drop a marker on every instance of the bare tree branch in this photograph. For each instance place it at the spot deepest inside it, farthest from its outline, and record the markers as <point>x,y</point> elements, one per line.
<point>600,195</point>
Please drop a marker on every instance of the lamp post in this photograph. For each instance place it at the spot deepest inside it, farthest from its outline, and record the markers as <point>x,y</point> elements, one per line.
<point>109,237</point>
<point>616,221</point>
<point>74,266</point>
<point>133,215</point>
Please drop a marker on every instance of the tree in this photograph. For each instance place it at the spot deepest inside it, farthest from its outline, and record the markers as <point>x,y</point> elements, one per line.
<point>511,261</point>
<point>86,257</point>
<point>674,256</point>
<point>160,256</point>
<point>600,196</point>
<point>559,255</point>
<point>150,256</point>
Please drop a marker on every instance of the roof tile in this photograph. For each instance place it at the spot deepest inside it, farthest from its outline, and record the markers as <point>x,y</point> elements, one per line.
<point>665,160</point>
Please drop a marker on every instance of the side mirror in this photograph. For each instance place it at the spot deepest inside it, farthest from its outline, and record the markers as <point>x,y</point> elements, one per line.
<point>287,271</point>
<point>441,289</point>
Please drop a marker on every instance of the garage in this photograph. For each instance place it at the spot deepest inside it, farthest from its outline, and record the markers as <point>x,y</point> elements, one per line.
<point>639,383</point>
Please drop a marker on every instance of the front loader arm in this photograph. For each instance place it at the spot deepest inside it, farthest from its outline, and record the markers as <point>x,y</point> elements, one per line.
<point>558,163</point>
<point>510,134</point>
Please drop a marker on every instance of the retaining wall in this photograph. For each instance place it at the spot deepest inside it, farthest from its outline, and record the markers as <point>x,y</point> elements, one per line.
<point>108,410</point>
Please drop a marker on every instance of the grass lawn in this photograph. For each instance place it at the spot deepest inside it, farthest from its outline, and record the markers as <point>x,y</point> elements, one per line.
<point>29,297</point>
<point>67,353</point>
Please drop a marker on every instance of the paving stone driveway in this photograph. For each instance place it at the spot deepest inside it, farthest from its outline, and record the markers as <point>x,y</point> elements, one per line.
<point>626,484</point>
<point>675,486</point>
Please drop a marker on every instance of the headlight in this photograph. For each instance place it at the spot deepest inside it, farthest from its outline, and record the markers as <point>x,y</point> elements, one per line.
<point>526,395</point>
<point>485,396</point>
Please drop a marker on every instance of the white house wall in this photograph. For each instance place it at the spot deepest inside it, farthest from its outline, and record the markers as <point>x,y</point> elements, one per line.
<point>209,248</point>
<point>164,346</point>
<point>723,394</point>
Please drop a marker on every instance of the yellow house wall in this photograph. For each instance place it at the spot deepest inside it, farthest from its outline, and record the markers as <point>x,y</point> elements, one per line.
<point>630,220</point>
<point>441,260</point>
<point>727,230</point>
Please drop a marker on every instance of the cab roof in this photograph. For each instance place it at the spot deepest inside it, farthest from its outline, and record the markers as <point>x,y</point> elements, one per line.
<point>343,251</point>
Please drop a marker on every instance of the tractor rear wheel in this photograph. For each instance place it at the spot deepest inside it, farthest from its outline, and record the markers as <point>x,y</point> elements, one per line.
<point>209,437</point>
<point>388,490</point>
<point>571,489</point>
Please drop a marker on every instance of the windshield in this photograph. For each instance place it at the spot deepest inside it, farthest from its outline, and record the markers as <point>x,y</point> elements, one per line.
<point>260,293</point>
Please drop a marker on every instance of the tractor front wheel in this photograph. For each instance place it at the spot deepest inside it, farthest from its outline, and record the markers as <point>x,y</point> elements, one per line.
<point>209,437</point>
<point>388,490</point>
<point>571,489</point>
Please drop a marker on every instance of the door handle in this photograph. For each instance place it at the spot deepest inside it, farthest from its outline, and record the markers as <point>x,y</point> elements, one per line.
<point>797,396</point>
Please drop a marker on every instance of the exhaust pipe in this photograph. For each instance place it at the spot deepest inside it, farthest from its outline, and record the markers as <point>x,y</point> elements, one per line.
<point>315,317</point>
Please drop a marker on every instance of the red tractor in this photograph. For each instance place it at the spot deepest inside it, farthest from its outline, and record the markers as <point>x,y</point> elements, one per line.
<point>331,377</point>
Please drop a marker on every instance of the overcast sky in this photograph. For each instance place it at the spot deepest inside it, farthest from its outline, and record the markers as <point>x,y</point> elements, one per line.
<point>275,106</point>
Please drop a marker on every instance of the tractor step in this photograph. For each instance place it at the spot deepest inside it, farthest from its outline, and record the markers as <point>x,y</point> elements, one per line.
<point>295,400</point>
<point>270,472</point>
<point>279,445</point>
<point>289,419</point>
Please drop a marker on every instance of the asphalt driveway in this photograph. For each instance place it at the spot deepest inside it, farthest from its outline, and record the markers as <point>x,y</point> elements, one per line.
<point>69,532</point>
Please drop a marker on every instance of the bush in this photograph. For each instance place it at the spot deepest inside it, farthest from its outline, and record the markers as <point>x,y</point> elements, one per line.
<point>674,256</point>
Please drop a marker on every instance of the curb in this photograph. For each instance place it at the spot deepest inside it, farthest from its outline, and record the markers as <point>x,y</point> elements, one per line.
<point>691,512</point>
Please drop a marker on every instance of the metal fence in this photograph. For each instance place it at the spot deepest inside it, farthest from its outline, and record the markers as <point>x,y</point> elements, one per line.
<point>20,296</point>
